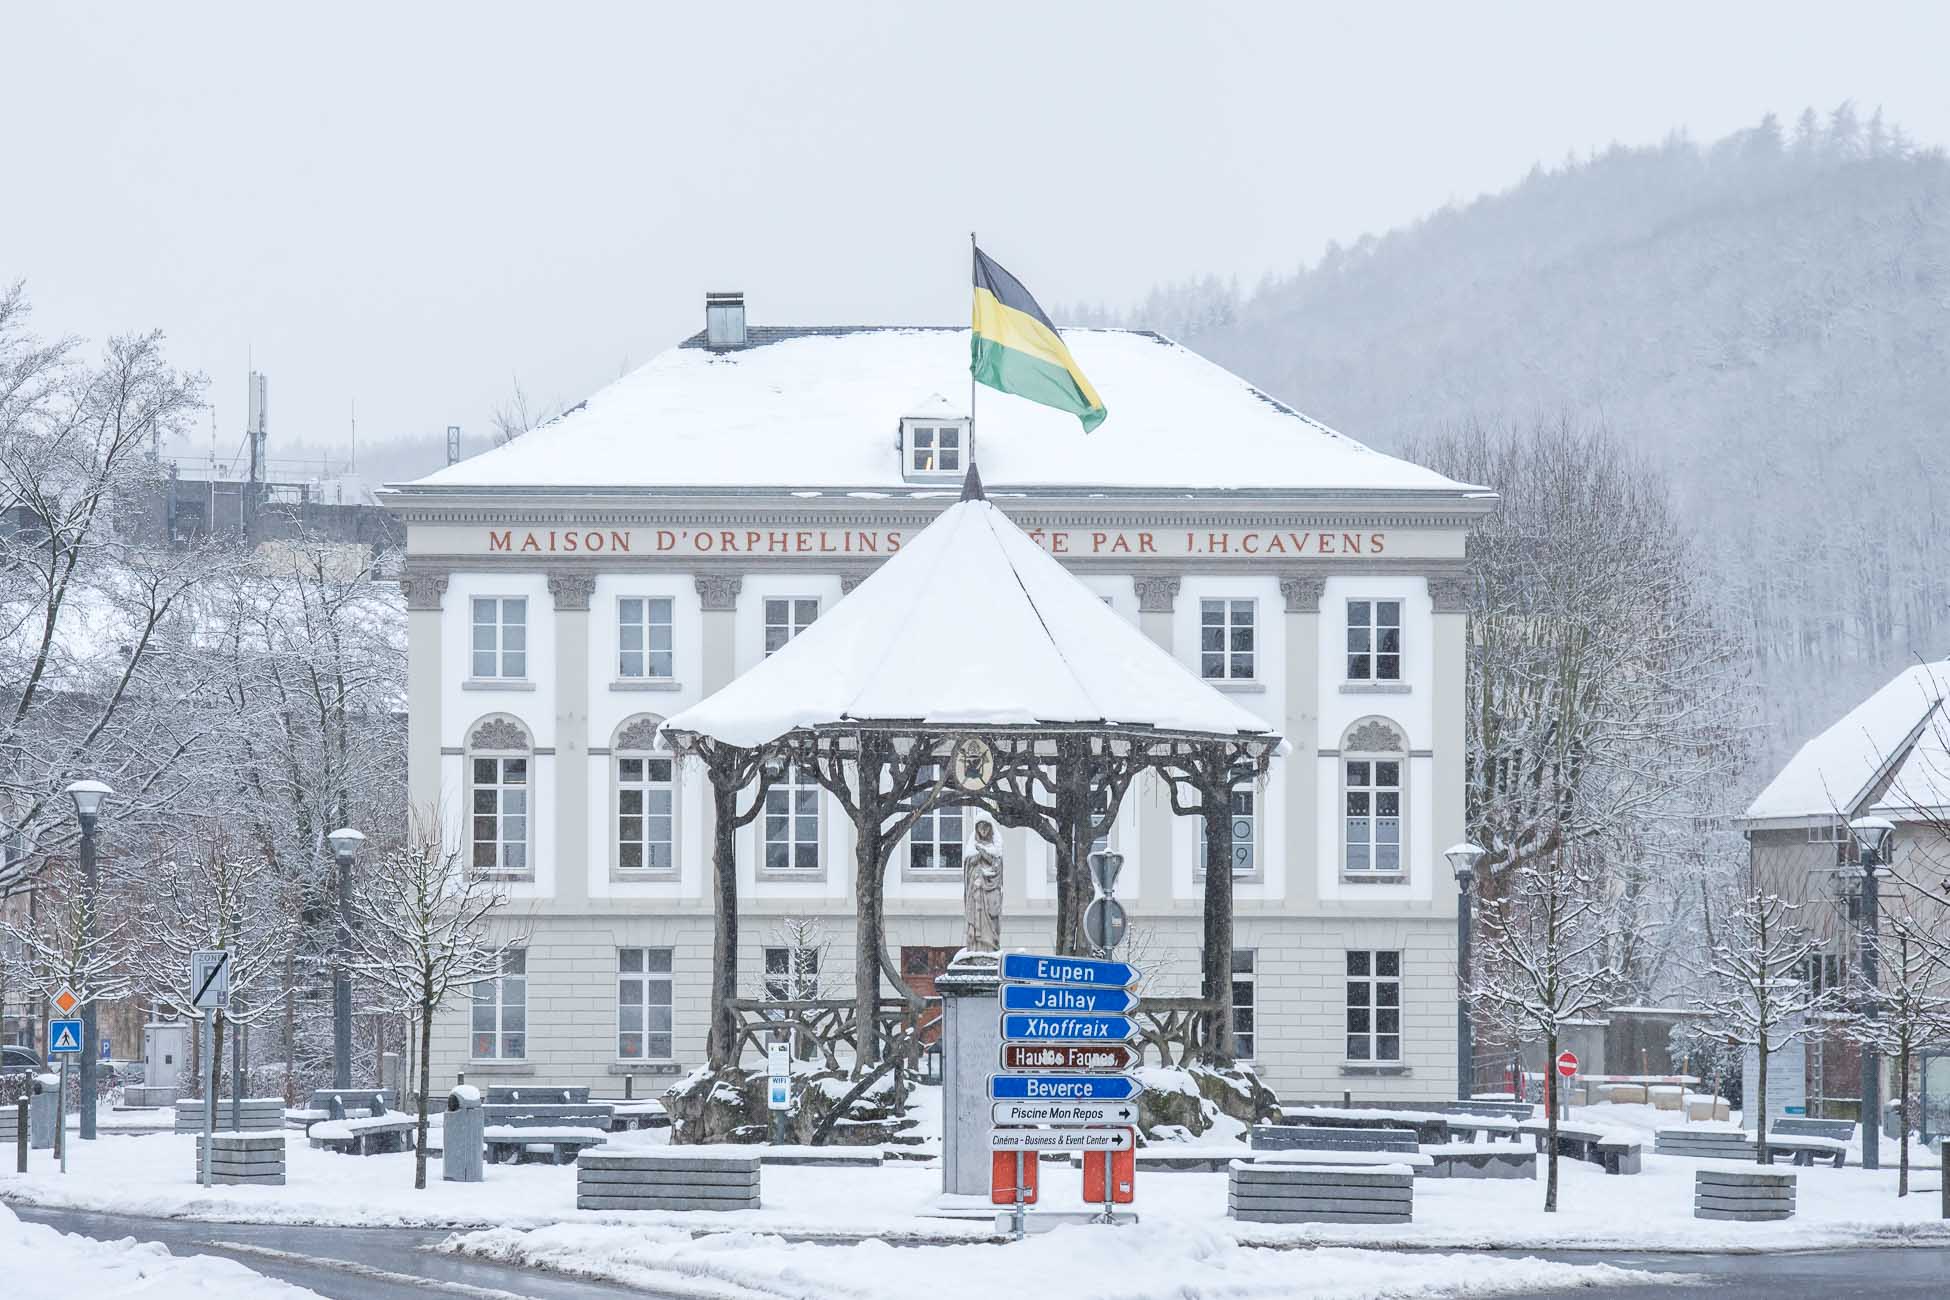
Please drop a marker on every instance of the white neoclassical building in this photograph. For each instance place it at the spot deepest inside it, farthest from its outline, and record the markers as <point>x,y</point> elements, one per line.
<point>569,591</point>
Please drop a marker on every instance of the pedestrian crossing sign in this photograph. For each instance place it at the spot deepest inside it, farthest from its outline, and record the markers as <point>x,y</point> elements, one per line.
<point>63,1037</point>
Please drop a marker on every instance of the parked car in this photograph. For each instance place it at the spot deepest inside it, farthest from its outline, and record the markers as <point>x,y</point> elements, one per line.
<point>20,1060</point>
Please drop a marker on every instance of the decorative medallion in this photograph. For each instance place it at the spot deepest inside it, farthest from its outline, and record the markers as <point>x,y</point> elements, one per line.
<point>1373,737</point>
<point>500,734</point>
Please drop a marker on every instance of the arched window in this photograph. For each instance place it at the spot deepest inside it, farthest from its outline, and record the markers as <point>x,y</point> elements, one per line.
<point>644,781</point>
<point>500,781</point>
<point>1374,765</point>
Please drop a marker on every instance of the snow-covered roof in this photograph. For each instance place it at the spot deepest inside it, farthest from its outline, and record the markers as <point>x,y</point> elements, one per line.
<point>1890,731</point>
<point>970,624</point>
<point>820,407</point>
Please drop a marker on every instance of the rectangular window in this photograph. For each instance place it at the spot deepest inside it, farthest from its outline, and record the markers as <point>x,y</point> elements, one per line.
<point>1837,834</point>
<point>786,617</point>
<point>1374,1005</point>
<point>500,814</point>
<point>1374,640</point>
<point>935,842</point>
<point>501,1011</point>
<point>643,1004</point>
<point>937,449</point>
<point>500,636</point>
<point>1244,826</point>
<point>791,974</point>
<point>792,823</point>
<point>643,637</point>
<point>1226,639</point>
<point>1823,973</point>
<point>1374,815</point>
<point>1243,961</point>
<point>644,802</point>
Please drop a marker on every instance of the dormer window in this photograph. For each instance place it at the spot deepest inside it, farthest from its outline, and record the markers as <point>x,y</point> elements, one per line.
<point>934,445</point>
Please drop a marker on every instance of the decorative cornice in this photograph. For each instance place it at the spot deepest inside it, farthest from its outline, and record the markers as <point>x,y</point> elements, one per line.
<point>719,591</point>
<point>1302,593</point>
<point>423,588</point>
<point>499,734</point>
<point>1156,595</point>
<point>1451,593</point>
<point>571,588</point>
<point>1373,737</point>
<point>851,578</point>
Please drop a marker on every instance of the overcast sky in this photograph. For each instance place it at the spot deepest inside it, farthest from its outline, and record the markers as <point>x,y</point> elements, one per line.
<point>407,206</point>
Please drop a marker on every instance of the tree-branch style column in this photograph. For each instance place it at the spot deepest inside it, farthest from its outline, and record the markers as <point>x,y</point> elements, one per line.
<point>730,769</point>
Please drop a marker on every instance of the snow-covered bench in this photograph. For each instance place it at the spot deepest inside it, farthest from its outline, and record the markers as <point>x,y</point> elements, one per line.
<point>561,1143</point>
<point>1615,1153</point>
<point>1427,1125</point>
<point>364,1135</point>
<point>257,1114</point>
<point>1837,1130</point>
<point>1746,1197</point>
<point>1736,1144</point>
<point>1321,1137</point>
<point>1481,1160</point>
<point>1276,1192</point>
<point>668,1178</point>
<point>638,1113</point>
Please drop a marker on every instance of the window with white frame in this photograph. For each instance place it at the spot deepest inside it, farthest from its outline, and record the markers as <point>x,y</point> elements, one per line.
<point>643,637</point>
<point>643,1004</point>
<point>935,449</point>
<point>498,797</point>
<point>1823,972</point>
<point>1374,640</point>
<point>786,617</point>
<point>1227,639</point>
<point>791,973</point>
<point>935,842</point>
<point>1374,1005</point>
<point>1245,821</point>
<point>500,1011</point>
<point>1837,834</point>
<point>645,812</point>
<point>1243,1002</point>
<point>500,644</point>
<point>1374,815</point>
<point>792,822</point>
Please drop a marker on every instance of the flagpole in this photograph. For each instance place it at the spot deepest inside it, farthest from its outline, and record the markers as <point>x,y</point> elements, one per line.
<point>973,253</point>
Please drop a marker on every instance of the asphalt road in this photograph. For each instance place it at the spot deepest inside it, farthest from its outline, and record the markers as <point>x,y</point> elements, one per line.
<point>389,1264</point>
<point>343,1263</point>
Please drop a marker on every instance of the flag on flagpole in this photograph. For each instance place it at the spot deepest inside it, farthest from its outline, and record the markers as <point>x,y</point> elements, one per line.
<point>1016,350</point>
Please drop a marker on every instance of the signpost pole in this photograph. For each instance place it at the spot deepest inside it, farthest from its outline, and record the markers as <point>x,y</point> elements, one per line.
<point>1018,1225</point>
<point>61,1117</point>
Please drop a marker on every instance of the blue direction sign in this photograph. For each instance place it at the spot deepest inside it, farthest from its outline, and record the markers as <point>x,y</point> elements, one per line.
<point>1063,1087</point>
<point>1035,968</point>
<point>1063,997</point>
<point>1034,1027</point>
<point>63,1037</point>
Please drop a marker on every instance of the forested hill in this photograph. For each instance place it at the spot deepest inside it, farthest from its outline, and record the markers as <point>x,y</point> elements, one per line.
<point>1768,316</point>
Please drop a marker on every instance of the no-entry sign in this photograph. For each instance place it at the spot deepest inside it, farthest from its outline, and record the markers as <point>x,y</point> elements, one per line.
<point>1567,1063</point>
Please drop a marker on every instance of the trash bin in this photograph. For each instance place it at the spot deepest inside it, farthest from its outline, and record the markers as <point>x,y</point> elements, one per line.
<point>43,1111</point>
<point>460,1140</point>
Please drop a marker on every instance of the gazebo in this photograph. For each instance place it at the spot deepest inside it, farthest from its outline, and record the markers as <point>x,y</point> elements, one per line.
<point>972,643</point>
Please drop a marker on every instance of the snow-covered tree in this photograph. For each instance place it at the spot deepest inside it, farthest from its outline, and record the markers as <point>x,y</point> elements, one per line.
<point>1907,1010</point>
<point>1754,994</point>
<point>422,935</point>
<point>1545,958</point>
<point>57,942</point>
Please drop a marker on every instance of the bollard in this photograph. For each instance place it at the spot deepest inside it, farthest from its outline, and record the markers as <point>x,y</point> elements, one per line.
<point>20,1136</point>
<point>44,1112</point>
<point>461,1145</point>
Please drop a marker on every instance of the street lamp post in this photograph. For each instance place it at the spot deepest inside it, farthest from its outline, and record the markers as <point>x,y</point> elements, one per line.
<point>1463,859</point>
<point>345,843</point>
<point>1872,833</point>
<point>88,796</point>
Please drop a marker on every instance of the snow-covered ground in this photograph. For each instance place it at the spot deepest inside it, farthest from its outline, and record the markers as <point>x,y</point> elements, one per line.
<point>1157,1262</point>
<point>901,1201</point>
<point>43,1262</point>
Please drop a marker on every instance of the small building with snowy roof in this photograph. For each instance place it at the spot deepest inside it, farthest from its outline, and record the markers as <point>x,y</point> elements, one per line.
<point>571,590</point>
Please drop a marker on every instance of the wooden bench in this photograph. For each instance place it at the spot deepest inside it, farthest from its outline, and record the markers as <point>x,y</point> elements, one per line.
<point>637,1113</point>
<point>1747,1197</point>
<point>1428,1126</point>
<point>1307,1137</point>
<point>1513,1110</point>
<point>364,1135</point>
<point>247,1159</point>
<point>1835,1130</point>
<point>345,1103</point>
<point>512,1129</point>
<point>667,1178</point>
<point>1609,1151</point>
<point>1481,1160</point>
<point>1268,1192</point>
<point>1736,1144</point>
<point>258,1115</point>
<point>515,1096</point>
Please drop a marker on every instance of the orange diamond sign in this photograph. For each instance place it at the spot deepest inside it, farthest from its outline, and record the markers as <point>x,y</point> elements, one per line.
<point>65,1001</point>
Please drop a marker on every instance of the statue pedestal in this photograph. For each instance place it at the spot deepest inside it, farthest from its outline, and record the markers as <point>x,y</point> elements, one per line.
<point>971,1050</point>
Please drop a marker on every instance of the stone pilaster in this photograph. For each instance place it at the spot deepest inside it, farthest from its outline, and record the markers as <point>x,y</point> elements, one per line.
<point>574,864</point>
<point>718,592</point>
<point>1301,728</point>
<point>1157,595</point>
<point>425,590</point>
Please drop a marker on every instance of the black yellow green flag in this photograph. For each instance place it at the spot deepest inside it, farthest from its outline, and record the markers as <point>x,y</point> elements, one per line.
<point>1017,350</point>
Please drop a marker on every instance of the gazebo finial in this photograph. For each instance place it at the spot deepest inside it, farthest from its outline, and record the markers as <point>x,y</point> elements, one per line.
<point>971,486</point>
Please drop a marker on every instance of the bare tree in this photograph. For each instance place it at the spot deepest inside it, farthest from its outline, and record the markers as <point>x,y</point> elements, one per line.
<point>519,415</point>
<point>1546,958</point>
<point>422,935</point>
<point>1907,1010</point>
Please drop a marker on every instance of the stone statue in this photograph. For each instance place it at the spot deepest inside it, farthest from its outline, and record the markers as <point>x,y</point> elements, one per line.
<point>981,890</point>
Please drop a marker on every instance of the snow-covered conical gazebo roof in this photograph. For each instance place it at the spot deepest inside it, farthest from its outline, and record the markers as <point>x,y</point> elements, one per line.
<point>969,626</point>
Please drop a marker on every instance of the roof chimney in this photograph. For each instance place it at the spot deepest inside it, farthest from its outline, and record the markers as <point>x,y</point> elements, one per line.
<point>724,321</point>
